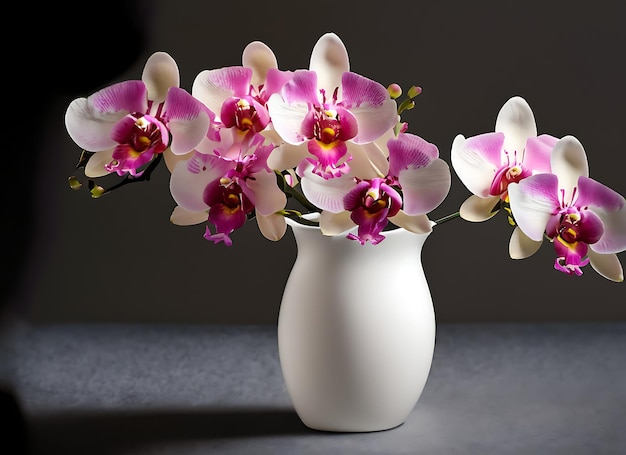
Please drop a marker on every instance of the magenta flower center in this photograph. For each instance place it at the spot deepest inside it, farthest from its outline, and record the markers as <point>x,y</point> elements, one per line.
<point>327,127</point>
<point>140,137</point>
<point>146,135</point>
<point>510,172</point>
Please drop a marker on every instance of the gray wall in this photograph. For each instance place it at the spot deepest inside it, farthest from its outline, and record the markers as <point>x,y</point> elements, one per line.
<point>120,259</point>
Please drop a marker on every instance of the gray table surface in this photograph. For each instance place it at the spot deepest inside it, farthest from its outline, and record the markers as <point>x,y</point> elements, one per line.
<point>145,389</point>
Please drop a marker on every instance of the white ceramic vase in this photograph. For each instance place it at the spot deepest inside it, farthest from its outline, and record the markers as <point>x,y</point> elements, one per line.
<point>356,330</point>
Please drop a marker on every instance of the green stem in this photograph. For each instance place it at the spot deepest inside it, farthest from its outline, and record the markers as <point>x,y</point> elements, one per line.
<point>145,176</point>
<point>448,218</point>
<point>297,195</point>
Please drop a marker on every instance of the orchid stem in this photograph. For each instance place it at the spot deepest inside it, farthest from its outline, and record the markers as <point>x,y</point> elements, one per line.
<point>448,218</point>
<point>297,195</point>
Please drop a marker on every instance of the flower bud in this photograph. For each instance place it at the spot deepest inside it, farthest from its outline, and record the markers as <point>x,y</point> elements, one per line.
<point>395,91</point>
<point>414,91</point>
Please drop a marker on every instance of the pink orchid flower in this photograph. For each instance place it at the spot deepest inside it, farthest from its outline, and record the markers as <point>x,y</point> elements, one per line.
<point>414,182</point>
<point>239,94</point>
<point>226,191</point>
<point>129,123</point>
<point>585,220</point>
<point>324,109</point>
<point>488,163</point>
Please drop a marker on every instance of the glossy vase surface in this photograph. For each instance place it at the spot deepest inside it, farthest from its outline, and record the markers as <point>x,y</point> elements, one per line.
<point>356,330</point>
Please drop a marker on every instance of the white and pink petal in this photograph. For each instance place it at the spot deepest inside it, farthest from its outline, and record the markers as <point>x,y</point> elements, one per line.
<point>607,265</point>
<point>272,226</point>
<point>190,178</point>
<point>188,120</point>
<point>95,166</point>
<point>332,223</point>
<point>263,192</point>
<point>424,188</point>
<point>517,121</point>
<point>610,207</point>
<point>569,161</point>
<point>213,87</point>
<point>534,201</point>
<point>159,74</point>
<point>326,194</point>
<point>476,159</point>
<point>537,153</point>
<point>260,58</point>
<point>182,217</point>
<point>287,119</point>
<point>521,246</point>
<point>477,209</point>
<point>409,150</point>
<point>329,59</point>
<point>418,224</point>
<point>90,121</point>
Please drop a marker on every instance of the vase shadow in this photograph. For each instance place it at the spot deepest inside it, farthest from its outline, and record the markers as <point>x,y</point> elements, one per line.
<point>100,432</point>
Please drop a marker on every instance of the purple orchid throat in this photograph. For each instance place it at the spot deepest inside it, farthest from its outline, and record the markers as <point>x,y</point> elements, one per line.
<point>328,127</point>
<point>572,229</point>
<point>245,114</point>
<point>140,137</point>
<point>229,209</point>
<point>370,203</point>
<point>511,172</point>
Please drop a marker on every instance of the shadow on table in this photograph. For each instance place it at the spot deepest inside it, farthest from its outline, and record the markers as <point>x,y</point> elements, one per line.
<point>110,432</point>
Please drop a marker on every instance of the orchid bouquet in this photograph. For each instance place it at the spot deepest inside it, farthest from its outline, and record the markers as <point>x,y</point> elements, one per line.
<point>329,147</point>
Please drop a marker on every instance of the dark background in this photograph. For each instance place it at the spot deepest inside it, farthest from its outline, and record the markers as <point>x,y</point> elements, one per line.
<point>119,259</point>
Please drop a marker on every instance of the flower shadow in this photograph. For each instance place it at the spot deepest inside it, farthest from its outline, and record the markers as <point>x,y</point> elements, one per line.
<point>101,432</point>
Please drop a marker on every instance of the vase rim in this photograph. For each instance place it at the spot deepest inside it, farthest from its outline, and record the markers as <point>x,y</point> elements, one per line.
<point>314,216</point>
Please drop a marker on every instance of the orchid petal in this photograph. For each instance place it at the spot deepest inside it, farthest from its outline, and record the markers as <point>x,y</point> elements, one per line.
<point>171,160</point>
<point>329,59</point>
<point>476,159</point>
<point>123,97</point>
<point>375,112</point>
<point>517,121</point>
<point>287,156</point>
<point>213,87</point>
<point>382,141</point>
<point>335,223</point>
<point>409,150</point>
<point>373,122</point>
<point>607,265</point>
<point>266,196</point>
<point>326,194</point>
<point>533,202</point>
<point>260,58</point>
<point>159,74</point>
<point>275,81</point>
<point>477,209</point>
<point>182,217</point>
<point>359,90</point>
<point>188,120</point>
<point>368,160</point>
<point>273,226</point>
<point>418,224</point>
<point>521,246</point>
<point>610,207</point>
<point>425,188</point>
<point>190,178</point>
<point>89,121</point>
<point>538,151</point>
<point>96,164</point>
<point>186,135</point>
<point>301,88</point>
<point>569,161</point>
<point>287,119</point>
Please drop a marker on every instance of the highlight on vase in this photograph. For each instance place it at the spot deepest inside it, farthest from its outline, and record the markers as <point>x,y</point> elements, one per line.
<point>253,142</point>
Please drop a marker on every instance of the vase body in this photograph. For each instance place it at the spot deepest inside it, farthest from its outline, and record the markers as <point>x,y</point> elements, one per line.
<point>356,330</point>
